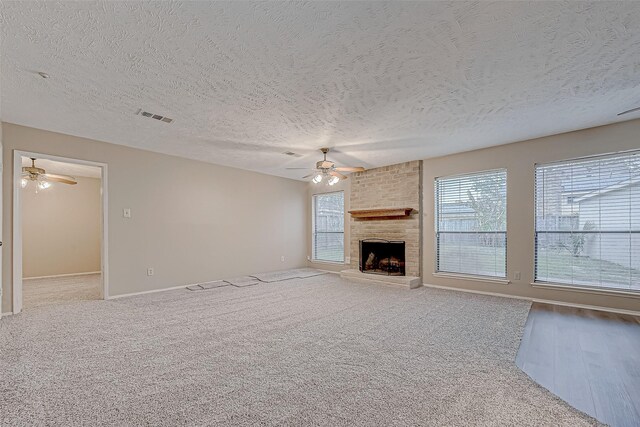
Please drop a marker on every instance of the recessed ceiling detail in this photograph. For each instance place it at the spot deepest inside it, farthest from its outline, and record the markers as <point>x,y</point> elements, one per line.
<point>377,82</point>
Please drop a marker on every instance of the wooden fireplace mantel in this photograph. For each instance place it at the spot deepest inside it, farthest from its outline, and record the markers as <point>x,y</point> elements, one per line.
<point>386,213</point>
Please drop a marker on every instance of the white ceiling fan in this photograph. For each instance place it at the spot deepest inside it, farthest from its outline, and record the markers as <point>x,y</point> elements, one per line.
<point>327,169</point>
<point>43,179</point>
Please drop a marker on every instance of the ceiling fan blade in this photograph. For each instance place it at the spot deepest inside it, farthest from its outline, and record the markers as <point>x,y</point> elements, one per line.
<point>338,174</point>
<point>350,169</point>
<point>308,176</point>
<point>60,178</point>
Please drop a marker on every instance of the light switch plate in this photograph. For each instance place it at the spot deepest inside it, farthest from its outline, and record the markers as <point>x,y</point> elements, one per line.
<point>126,212</point>
<point>150,271</point>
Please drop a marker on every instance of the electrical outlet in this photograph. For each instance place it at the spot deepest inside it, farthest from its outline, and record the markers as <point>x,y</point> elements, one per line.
<point>126,212</point>
<point>149,271</point>
<point>517,275</point>
<point>347,260</point>
<point>308,258</point>
<point>282,258</point>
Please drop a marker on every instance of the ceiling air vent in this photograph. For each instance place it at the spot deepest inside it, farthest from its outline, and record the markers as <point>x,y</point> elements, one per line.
<point>154,116</point>
<point>291,153</point>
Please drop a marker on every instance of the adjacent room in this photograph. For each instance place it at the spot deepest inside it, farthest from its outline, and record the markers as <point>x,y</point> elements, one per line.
<point>320,213</point>
<point>61,214</point>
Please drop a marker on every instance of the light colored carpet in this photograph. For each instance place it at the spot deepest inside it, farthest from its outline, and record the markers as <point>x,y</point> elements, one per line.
<point>315,351</point>
<point>61,290</point>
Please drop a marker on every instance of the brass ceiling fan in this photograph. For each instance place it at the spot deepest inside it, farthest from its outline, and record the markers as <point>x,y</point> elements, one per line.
<point>327,169</point>
<point>42,178</point>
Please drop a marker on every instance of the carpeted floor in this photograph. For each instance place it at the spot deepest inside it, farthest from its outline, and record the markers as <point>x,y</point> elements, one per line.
<point>61,290</point>
<point>313,351</point>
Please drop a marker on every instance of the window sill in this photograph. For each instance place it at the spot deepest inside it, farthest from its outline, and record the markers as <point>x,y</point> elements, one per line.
<point>320,261</point>
<point>586,289</point>
<point>472,278</point>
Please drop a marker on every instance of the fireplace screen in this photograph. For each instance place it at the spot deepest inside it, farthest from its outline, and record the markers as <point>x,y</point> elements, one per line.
<point>379,256</point>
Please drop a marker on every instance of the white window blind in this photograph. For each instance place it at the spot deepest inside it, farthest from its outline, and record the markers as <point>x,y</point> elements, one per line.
<point>471,224</point>
<point>588,222</point>
<point>328,227</point>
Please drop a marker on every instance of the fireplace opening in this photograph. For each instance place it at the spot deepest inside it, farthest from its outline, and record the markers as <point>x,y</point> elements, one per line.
<point>378,256</point>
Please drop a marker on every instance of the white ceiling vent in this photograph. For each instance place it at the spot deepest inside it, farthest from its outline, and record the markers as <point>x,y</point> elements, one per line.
<point>292,154</point>
<point>154,116</point>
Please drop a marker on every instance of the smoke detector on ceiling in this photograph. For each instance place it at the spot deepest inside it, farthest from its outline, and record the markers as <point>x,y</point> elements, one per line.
<point>165,119</point>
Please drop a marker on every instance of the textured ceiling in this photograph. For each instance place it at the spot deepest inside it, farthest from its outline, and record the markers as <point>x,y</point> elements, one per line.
<point>62,168</point>
<point>381,82</point>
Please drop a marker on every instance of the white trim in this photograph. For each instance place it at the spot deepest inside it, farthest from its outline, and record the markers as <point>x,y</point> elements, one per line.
<point>472,278</point>
<point>320,261</point>
<point>16,273</point>
<point>589,290</point>
<point>588,307</point>
<point>173,288</point>
<point>542,301</point>
<point>62,275</point>
<point>147,292</point>
<point>6,313</point>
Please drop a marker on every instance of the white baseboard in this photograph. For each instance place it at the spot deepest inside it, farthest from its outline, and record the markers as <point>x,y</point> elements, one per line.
<point>147,292</point>
<point>180,287</point>
<point>8,313</point>
<point>62,275</point>
<point>542,301</point>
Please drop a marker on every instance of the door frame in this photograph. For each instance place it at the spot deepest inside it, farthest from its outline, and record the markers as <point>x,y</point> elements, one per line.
<point>17,222</point>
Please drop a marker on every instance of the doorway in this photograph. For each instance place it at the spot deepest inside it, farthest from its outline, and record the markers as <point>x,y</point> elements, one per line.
<point>59,222</point>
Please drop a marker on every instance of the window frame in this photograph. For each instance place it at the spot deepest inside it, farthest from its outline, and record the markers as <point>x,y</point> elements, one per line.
<point>558,285</point>
<point>443,273</point>
<point>313,228</point>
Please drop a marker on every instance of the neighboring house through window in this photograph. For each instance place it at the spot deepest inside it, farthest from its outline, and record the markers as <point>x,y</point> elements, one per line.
<point>588,222</point>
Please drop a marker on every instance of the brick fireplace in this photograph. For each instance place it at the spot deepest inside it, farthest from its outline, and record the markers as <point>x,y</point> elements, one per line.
<point>384,206</point>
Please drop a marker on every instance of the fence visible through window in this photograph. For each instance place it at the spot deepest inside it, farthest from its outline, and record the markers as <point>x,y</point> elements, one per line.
<point>328,227</point>
<point>471,215</point>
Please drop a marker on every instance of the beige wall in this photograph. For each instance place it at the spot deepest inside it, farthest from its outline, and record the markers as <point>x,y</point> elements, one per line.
<point>61,229</point>
<point>191,221</point>
<point>519,160</point>
<point>319,189</point>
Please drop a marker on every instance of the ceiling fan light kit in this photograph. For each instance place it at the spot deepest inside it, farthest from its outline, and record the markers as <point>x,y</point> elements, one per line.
<point>327,169</point>
<point>41,178</point>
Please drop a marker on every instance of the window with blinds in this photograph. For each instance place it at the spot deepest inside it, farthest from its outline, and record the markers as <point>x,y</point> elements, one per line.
<point>588,222</point>
<point>328,227</point>
<point>471,224</point>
